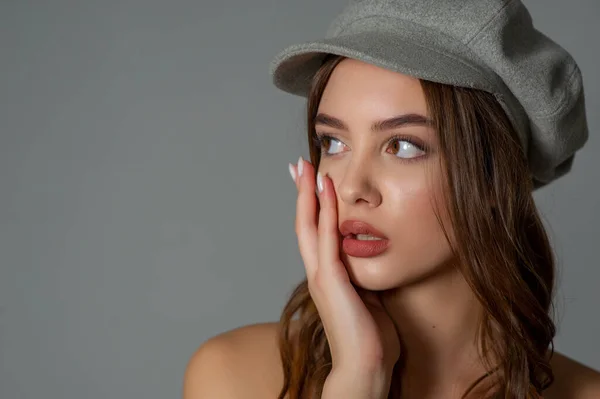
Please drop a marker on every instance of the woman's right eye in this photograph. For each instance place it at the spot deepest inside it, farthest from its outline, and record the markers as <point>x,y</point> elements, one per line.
<point>324,142</point>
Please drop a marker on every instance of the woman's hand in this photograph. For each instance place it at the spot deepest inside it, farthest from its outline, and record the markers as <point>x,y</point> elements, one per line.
<point>362,338</point>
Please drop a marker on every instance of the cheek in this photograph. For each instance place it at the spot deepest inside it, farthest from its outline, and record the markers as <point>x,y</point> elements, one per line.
<point>411,207</point>
<point>412,210</point>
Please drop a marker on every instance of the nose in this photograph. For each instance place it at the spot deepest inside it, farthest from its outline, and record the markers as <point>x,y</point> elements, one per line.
<point>358,184</point>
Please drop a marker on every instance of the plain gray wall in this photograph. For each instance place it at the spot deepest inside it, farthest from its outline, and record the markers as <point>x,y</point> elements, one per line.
<point>146,203</point>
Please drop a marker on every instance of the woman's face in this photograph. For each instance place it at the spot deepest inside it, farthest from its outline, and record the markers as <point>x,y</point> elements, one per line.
<point>388,183</point>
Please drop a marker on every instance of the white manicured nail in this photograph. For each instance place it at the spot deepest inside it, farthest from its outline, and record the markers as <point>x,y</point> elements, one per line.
<point>320,182</point>
<point>292,171</point>
<point>300,165</point>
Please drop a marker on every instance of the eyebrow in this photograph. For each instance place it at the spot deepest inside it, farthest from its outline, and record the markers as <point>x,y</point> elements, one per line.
<point>378,126</point>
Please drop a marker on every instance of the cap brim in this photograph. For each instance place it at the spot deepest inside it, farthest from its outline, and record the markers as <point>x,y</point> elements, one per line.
<point>293,68</point>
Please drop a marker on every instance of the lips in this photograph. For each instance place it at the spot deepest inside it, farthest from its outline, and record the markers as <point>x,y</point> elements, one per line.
<point>354,227</point>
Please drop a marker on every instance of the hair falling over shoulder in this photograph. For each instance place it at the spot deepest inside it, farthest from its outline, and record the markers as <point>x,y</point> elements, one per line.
<point>499,241</point>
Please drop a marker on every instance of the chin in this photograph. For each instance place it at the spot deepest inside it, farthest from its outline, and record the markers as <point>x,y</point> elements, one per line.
<point>379,274</point>
<point>376,275</point>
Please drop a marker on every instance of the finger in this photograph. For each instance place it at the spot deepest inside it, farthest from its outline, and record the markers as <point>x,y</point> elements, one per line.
<point>293,173</point>
<point>328,232</point>
<point>306,206</point>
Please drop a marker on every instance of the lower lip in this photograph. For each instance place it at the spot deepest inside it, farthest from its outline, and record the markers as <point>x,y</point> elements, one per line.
<point>363,248</point>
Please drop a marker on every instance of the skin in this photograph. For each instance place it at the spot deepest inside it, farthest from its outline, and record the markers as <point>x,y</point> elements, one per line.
<point>433,311</point>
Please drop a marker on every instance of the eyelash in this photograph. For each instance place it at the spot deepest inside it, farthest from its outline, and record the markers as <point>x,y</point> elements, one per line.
<point>319,138</point>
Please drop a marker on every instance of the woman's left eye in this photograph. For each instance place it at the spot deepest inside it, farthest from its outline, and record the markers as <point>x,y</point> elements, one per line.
<point>397,144</point>
<point>407,147</point>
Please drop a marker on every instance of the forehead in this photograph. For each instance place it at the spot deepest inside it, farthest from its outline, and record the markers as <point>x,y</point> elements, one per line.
<point>359,89</point>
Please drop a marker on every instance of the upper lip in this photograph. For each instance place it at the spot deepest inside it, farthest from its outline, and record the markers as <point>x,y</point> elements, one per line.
<point>349,227</point>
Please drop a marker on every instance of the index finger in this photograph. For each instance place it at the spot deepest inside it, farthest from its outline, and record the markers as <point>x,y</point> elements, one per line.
<point>328,232</point>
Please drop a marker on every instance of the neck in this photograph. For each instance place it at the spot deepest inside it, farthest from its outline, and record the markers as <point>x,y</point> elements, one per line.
<point>437,320</point>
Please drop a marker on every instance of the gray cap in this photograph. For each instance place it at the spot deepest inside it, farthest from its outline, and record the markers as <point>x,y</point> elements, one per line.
<point>484,44</point>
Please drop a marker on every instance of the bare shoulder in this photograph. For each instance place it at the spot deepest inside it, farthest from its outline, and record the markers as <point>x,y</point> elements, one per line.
<point>572,380</point>
<point>239,363</point>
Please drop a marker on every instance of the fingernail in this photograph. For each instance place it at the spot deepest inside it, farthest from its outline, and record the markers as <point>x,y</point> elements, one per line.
<point>320,182</point>
<point>300,165</point>
<point>292,172</point>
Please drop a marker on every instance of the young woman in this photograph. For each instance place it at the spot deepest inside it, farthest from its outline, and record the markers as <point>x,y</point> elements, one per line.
<point>429,272</point>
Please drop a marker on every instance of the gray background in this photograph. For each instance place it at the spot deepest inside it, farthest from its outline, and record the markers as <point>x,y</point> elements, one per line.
<point>146,203</point>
